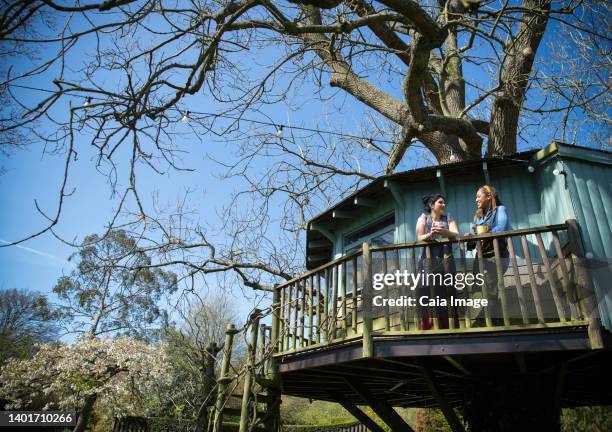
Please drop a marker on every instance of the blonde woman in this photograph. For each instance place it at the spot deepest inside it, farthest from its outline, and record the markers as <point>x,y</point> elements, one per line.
<point>490,217</point>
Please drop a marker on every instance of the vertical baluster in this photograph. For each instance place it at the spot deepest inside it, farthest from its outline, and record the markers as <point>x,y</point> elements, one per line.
<point>517,282</point>
<point>334,301</point>
<point>289,296</point>
<point>568,287</point>
<point>485,294</point>
<point>534,287</point>
<point>311,335</point>
<point>296,313</point>
<point>303,311</point>
<point>326,307</point>
<point>432,294</point>
<point>319,306</point>
<point>501,288</point>
<point>275,330</point>
<point>412,258</point>
<point>281,320</point>
<point>467,322</point>
<point>386,293</point>
<point>354,296</point>
<point>551,279</point>
<point>447,269</point>
<point>344,277</point>
<point>402,290</point>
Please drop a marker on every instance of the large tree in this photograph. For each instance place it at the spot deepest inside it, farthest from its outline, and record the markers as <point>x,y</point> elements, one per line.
<point>26,319</point>
<point>457,78</point>
<point>119,376</point>
<point>113,290</point>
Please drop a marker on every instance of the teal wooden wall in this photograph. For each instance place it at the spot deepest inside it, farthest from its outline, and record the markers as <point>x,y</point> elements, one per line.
<point>590,188</point>
<point>518,189</point>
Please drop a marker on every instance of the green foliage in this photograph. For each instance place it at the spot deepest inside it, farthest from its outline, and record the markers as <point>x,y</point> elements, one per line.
<point>26,319</point>
<point>430,420</point>
<point>311,428</point>
<point>115,288</point>
<point>587,419</point>
<point>300,411</point>
<point>303,414</point>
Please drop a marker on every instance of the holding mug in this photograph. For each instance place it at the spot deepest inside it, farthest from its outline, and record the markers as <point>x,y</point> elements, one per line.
<point>483,229</point>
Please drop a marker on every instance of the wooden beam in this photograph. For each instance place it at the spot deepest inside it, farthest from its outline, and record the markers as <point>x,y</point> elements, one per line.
<point>381,408</point>
<point>356,412</point>
<point>436,390</point>
<point>457,365</point>
<point>323,230</point>
<point>318,257</point>
<point>365,202</point>
<point>317,243</point>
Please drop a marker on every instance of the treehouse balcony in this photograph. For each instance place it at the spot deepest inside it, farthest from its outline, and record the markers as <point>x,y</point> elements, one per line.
<point>543,342</point>
<point>545,290</point>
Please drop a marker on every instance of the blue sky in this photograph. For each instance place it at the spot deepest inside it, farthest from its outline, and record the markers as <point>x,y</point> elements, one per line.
<point>31,174</point>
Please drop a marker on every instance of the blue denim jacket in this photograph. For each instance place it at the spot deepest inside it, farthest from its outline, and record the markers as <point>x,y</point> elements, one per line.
<point>499,220</point>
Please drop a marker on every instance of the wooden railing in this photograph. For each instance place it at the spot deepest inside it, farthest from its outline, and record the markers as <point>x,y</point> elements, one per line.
<point>538,285</point>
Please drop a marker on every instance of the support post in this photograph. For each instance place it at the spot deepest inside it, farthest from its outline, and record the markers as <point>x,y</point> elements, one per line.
<point>589,306</point>
<point>250,371</point>
<point>223,377</point>
<point>356,412</point>
<point>273,396</point>
<point>381,408</point>
<point>447,410</point>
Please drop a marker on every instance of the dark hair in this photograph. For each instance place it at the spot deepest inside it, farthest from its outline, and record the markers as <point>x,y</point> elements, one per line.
<point>428,200</point>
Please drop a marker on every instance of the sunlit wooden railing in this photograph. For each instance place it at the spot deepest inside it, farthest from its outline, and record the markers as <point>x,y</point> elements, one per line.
<point>540,286</point>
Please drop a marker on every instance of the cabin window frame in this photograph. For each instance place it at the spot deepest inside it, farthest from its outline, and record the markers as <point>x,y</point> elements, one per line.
<point>348,248</point>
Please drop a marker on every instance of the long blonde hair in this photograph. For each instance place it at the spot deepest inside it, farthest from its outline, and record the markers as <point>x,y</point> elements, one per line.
<point>495,201</point>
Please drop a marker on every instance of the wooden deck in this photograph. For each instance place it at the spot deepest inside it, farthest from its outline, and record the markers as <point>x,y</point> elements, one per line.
<point>327,344</point>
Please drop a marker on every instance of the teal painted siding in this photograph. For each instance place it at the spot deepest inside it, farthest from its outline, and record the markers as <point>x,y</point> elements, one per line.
<point>590,186</point>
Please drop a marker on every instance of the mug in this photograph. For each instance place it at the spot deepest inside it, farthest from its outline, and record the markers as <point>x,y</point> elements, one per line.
<point>482,229</point>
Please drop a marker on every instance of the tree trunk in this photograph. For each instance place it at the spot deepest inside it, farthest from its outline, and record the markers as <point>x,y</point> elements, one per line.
<point>513,403</point>
<point>85,413</point>
<point>508,101</point>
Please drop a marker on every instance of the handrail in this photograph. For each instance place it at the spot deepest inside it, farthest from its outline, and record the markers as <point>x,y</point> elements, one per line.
<point>472,237</point>
<point>469,238</point>
<point>318,269</point>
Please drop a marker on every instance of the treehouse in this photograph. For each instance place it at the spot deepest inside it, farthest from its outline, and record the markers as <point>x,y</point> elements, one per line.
<point>547,348</point>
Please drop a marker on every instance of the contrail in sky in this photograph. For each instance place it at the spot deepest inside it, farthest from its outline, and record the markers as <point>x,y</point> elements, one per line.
<point>40,253</point>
